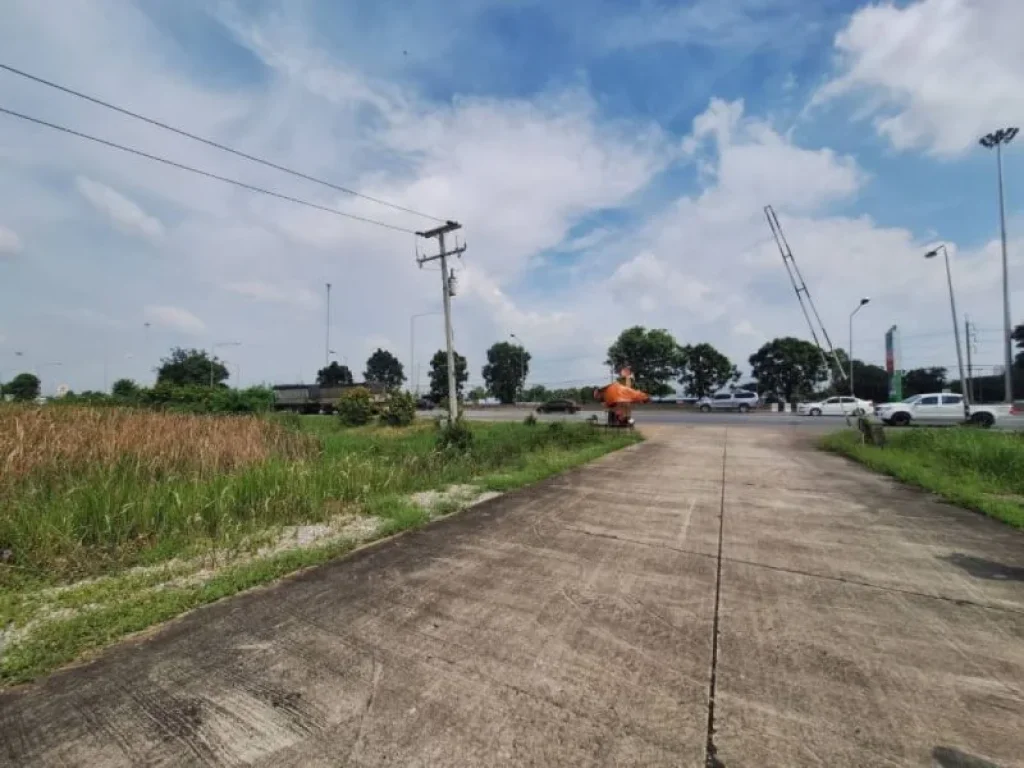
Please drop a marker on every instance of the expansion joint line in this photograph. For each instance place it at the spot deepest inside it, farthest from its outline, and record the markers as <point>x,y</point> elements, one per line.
<point>711,750</point>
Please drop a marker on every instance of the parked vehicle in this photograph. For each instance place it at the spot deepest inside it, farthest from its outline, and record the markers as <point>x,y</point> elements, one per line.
<point>558,406</point>
<point>738,400</point>
<point>938,408</point>
<point>425,404</point>
<point>836,406</point>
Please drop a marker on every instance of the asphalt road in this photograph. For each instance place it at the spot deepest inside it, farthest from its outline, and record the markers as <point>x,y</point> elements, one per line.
<point>713,596</point>
<point>651,416</point>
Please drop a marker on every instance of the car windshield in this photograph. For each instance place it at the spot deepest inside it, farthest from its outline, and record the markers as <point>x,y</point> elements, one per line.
<point>912,399</point>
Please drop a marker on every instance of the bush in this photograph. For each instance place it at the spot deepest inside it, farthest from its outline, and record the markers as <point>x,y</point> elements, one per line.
<point>456,437</point>
<point>530,420</point>
<point>355,407</point>
<point>399,410</point>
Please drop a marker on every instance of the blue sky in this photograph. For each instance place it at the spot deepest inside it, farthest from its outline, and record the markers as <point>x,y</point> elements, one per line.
<point>609,162</point>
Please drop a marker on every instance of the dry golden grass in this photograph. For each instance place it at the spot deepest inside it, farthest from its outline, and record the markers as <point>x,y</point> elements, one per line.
<point>40,440</point>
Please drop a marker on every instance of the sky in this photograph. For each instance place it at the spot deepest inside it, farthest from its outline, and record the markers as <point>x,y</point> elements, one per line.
<point>609,163</point>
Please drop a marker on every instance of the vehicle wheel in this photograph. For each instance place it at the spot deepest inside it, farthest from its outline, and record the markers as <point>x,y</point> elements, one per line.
<point>815,411</point>
<point>858,411</point>
<point>743,408</point>
<point>900,420</point>
<point>983,420</point>
<point>705,409</point>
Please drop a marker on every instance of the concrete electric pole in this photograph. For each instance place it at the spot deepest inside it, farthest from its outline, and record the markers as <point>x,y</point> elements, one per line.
<point>446,293</point>
<point>327,339</point>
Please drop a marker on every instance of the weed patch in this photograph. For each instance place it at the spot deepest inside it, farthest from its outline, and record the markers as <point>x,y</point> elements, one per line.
<point>980,470</point>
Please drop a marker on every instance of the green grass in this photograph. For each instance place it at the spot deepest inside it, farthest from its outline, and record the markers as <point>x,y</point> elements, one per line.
<point>977,469</point>
<point>103,551</point>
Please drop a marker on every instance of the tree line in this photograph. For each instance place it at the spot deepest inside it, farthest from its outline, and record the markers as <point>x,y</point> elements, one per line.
<point>786,368</point>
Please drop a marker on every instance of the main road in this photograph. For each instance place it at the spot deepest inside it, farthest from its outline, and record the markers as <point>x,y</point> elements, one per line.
<point>713,596</point>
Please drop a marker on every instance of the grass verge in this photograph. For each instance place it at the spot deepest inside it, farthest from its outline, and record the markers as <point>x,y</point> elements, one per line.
<point>99,547</point>
<point>977,469</point>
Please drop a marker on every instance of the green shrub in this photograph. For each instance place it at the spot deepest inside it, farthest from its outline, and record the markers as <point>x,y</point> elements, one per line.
<point>456,437</point>
<point>556,427</point>
<point>399,410</point>
<point>530,420</point>
<point>355,407</point>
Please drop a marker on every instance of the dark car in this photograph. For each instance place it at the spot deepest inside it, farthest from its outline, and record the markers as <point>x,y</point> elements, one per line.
<point>425,404</point>
<point>558,406</point>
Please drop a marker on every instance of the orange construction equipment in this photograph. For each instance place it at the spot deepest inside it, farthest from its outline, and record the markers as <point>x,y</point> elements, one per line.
<point>619,400</point>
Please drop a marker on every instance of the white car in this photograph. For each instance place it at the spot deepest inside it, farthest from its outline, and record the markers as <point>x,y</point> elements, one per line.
<point>836,406</point>
<point>938,408</point>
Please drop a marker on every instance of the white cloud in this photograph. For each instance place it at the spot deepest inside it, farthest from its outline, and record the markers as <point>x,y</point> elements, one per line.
<point>274,293</point>
<point>10,243</point>
<point>174,318</point>
<point>938,74</point>
<point>126,215</point>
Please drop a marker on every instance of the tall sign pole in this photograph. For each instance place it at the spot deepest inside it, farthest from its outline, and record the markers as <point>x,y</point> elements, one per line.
<point>446,295</point>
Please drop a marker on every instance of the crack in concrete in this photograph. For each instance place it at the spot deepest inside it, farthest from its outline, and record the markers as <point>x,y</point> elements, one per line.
<point>711,750</point>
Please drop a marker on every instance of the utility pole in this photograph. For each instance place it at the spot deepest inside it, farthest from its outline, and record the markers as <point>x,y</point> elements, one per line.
<point>327,340</point>
<point>446,291</point>
<point>970,367</point>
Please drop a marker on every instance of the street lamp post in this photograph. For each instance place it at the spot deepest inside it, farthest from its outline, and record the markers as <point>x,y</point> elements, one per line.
<point>956,329</point>
<point>412,347</point>
<point>997,139</point>
<point>522,383</point>
<point>860,306</point>
<point>213,353</point>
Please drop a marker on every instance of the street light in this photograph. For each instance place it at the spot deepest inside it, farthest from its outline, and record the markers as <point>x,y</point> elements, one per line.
<point>860,306</point>
<point>522,349</point>
<point>412,347</point>
<point>213,354</point>
<point>956,328</point>
<point>997,140</point>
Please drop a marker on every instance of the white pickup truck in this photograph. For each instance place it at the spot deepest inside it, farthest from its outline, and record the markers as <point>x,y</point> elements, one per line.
<point>939,408</point>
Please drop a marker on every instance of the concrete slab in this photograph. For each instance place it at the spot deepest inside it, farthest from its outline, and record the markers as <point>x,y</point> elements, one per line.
<point>862,623</point>
<point>536,629</point>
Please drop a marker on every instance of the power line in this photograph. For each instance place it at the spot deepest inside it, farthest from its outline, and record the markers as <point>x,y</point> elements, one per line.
<point>207,174</point>
<point>211,143</point>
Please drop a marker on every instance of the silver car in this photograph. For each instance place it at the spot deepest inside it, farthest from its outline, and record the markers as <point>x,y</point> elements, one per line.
<point>738,400</point>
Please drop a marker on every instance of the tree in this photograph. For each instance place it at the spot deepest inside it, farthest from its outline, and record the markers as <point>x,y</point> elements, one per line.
<point>920,381</point>
<point>23,388</point>
<point>477,394</point>
<point>788,367</point>
<point>384,368</point>
<point>190,366</point>
<point>439,375</point>
<point>538,393</point>
<point>334,375</point>
<point>506,370</point>
<point>125,388</point>
<point>703,370</point>
<point>652,355</point>
<point>1018,336</point>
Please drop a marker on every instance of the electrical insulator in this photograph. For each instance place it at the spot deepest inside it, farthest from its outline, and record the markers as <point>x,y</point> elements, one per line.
<point>453,283</point>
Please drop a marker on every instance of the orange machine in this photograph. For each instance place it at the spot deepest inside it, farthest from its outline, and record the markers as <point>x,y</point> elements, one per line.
<point>619,399</point>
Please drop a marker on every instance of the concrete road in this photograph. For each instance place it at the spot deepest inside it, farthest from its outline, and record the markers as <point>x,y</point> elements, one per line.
<point>722,592</point>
